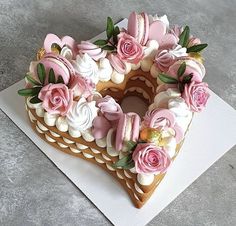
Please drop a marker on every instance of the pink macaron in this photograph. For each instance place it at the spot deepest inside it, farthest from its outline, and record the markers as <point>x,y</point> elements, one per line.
<point>59,64</point>
<point>138,27</point>
<point>127,129</point>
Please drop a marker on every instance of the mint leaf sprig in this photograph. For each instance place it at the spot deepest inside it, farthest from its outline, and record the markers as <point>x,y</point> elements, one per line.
<point>127,161</point>
<point>182,79</point>
<point>184,40</point>
<point>38,85</point>
<point>112,32</point>
<point>196,48</point>
<point>184,37</point>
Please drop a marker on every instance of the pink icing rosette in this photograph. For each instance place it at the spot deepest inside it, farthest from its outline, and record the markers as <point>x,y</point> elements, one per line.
<point>81,86</point>
<point>164,60</point>
<point>56,98</point>
<point>163,119</point>
<point>129,49</point>
<point>150,159</point>
<point>109,108</point>
<point>92,50</point>
<point>196,95</point>
<point>64,41</point>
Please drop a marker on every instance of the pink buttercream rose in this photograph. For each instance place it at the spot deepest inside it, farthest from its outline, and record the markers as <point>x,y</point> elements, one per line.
<point>81,86</point>
<point>129,49</point>
<point>164,60</point>
<point>56,98</point>
<point>150,159</point>
<point>109,108</point>
<point>196,95</point>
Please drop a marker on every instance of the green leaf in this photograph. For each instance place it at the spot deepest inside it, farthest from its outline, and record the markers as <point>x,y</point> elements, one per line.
<point>51,76</point>
<point>115,34</point>
<point>187,78</point>
<point>181,87</point>
<point>181,69</point>
<point>129,166</point>
<point>109,48</point>
<point>196,48</point>
<point>101,42</point>
<point>110,27</point>
<point>60,79</point>
<point>32,80</point>
<point>117,30</point>
<point>131,145</point>
<point>125,162</point>
<point>29,91</point>
<point>41,73</point>
<point>184,37</point>
<point>167,79</point>
<point>35,100</point>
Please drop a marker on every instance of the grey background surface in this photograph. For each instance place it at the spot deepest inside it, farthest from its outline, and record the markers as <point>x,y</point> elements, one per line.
<point>32,190</point>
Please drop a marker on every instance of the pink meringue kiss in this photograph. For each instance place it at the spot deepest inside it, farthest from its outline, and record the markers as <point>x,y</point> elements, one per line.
<point>193,67</point>
<point>164,60</point>
<point>109,108</point>
<point>163,119</point>
<point>92,50</point>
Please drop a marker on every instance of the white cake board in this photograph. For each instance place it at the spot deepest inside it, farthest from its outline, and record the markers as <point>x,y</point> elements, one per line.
<point>202,147</point>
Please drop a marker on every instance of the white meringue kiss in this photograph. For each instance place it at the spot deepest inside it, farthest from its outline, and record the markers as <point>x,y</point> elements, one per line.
<point>81,116</point>
<point>182,113</point>
<point>105,70</point>
<point>86,67</point>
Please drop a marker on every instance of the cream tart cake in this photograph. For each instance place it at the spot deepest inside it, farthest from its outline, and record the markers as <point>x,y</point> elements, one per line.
<point>74,90</point>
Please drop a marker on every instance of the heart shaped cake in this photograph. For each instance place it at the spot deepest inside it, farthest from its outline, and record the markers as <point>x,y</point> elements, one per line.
<point>74,93</point>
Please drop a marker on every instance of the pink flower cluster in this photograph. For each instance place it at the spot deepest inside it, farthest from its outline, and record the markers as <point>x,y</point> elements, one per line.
<point>196,95</point>
<point>110,112</point>
<point>56,98</point>
<point>128,49</point>
<point>150,159</point>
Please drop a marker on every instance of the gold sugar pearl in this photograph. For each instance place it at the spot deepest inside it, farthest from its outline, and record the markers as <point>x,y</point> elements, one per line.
<point>150,135</point>
<point>197,56</point>
<point>40,53</point>
<point>55,50</point>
